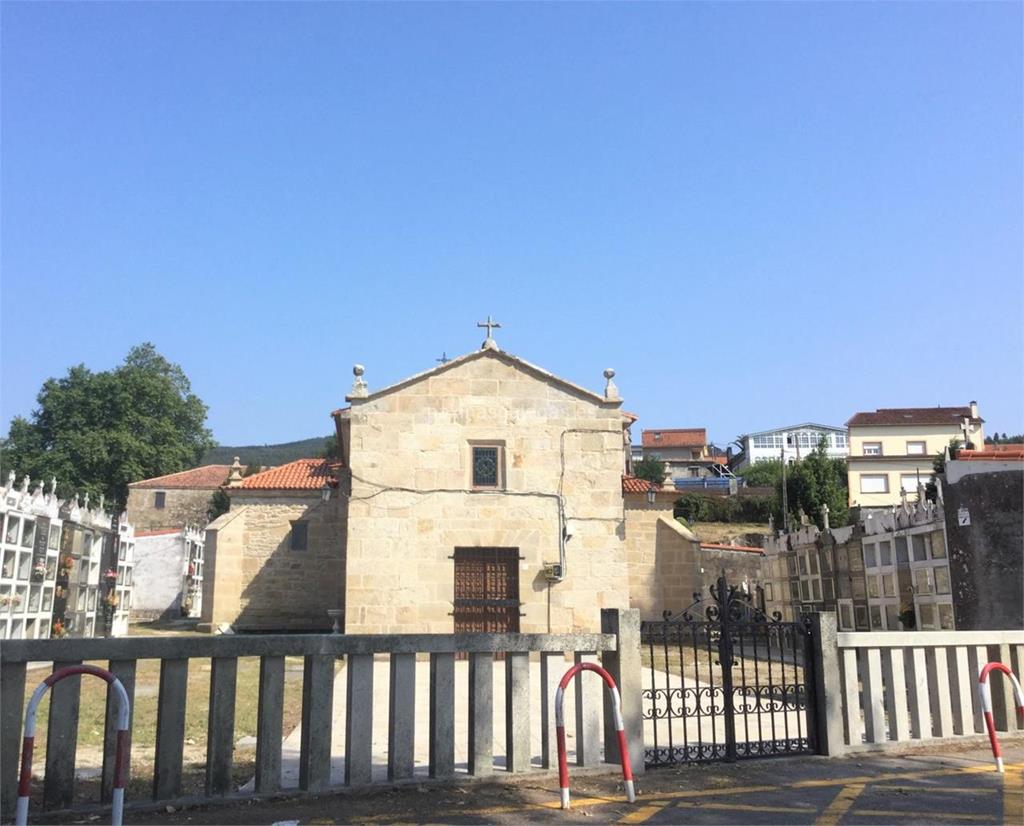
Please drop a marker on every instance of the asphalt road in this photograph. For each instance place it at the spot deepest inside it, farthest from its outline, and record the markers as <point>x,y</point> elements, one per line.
<point>947,785</point>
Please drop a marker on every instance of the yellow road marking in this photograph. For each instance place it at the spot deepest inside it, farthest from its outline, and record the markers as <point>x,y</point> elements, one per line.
<point>644,813</point>
<point>1013,795</point>
<point>840,805</point>
<point>935,789</point>
<point>747,807</point>
<point>924,815</point>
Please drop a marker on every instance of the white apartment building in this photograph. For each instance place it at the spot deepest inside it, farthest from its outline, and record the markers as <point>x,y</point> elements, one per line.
<point>791,443</point>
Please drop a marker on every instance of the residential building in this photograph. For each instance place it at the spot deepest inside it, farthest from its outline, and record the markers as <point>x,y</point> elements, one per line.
<point>686,453</point>
<point>893,449</point>
<point>174,500</point>
<point>789,443</point>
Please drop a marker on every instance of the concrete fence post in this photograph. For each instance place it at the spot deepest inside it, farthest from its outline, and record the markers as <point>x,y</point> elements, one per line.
<point>828,711</point>
<point>625,667</point>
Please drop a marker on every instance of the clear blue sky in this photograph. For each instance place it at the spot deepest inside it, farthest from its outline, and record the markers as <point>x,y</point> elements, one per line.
<point>758,214</point>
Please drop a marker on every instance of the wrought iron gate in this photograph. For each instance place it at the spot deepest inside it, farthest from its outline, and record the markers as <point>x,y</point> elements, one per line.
<point>722,681</point>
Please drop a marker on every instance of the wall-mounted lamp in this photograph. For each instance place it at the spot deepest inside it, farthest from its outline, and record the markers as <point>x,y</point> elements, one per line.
<point>652,495</point>
<point>325,492</point>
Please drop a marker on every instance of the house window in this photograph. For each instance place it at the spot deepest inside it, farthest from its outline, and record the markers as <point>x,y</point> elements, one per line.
<point>299,536</point>
<point>872,448</point>
<point>915,448</point>
<point>839,439</point>
<point>874,483</point>
<point>487,466</point>
<point>159,500</point>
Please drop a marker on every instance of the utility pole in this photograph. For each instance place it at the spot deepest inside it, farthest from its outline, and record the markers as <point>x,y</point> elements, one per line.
<point>785,495</point>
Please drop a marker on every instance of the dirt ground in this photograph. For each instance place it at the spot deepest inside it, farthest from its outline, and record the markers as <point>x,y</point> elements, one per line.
<point>956,784</point>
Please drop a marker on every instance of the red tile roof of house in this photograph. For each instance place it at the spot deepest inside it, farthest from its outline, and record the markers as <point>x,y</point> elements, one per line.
<point>631,484</point>
<point>207,477</point>
<point>989,455</point>
<point>895,416</point>
<point>302,474</point>
<point>715,546</point>
<point>679,437</point>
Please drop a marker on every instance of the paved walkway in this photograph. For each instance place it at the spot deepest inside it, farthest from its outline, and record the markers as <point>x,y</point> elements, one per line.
<point>946,785</point>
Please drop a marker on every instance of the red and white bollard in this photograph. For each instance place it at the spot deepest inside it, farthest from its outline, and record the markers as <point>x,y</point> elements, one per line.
<point>563,768</point>
<point>985,695</point>
<point>28,743</point>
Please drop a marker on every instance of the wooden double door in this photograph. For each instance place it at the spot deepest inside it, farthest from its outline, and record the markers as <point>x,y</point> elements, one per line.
<point>486,590</point>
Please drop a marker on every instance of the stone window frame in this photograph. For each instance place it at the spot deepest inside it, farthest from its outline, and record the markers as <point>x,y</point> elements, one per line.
<point>304,534</point>
<point>499,444</point>
<point>160,499</point>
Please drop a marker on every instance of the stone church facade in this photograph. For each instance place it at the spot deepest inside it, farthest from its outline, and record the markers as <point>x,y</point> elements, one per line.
<point>486,494</point>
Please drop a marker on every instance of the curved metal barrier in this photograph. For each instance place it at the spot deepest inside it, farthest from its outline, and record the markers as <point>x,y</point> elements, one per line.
<point>28,743</point>
<point>985,695</point>
<point>613,690</point>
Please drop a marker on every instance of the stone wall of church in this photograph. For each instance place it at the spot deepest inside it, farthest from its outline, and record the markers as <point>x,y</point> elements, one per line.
<point>182,506</point>
<point>255,581</point>
<point>663,558</point>
<point>413,504</point>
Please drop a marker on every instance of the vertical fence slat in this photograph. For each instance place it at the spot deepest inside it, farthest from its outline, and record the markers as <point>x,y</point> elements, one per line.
<point>874,700</point>
<point>402,717</point>
<point>124,670</point>
<point>12,690</point>
<point>62,741</point>
<point>588,690</point>
<point>220,730</point>
<point>938,691</point>
<point>517,711</point>
<point>549,677</point>
<point>895,694</point>
<point>962,689</point>
<point>170,728</point>
<point>359,719</point>
<point>917,694</point>
<point>317,716</point>
<point>442,715</point>
<point>976,658</point>
<point>851,696</point>
<point>481,714</point>
<point>269,724</point>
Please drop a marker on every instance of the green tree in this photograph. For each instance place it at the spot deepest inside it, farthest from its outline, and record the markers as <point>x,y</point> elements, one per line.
<point>651,469</point>
<point>331,450</point>
<point>816,480</point>
<point>220,503</point>
<point>98,431</point>
<point>765,473</point>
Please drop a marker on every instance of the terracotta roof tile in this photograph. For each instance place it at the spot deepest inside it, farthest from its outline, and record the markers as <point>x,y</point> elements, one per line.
<point>715,546</point>
<point>631,484</point>
<point>894,416</point>
<point>302,474</point>
<point>989,455</point>
<point>207,477</point>
<point>679,437</point>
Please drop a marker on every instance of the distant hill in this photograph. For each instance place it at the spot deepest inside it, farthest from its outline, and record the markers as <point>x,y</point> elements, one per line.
<point>266,455</point>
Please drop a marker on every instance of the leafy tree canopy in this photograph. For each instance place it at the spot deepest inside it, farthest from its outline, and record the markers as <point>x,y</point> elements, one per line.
<point>98,431</point>
<point>816,480</point>
<point>651,469</point>
<point>765,473</point>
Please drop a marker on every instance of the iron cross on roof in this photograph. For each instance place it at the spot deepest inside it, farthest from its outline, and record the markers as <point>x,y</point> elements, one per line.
<point>489,324</point>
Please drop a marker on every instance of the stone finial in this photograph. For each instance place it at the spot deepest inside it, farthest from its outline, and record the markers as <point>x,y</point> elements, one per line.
<point>611,392</point>
<point>235,474</point>
<point>667,483</point>
<point>489,342</point>
<point>359,387</point>
<point>85,501</point>
<point>824,517</point>
<point>103,500</point>
<point>10,480</point>
<point>803,516</point>
<point>771,523</point>
<point>53,486</point>
<point>25,483</point>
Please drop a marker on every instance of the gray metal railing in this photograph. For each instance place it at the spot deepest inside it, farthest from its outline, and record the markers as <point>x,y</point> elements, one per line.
<point>619,649</point>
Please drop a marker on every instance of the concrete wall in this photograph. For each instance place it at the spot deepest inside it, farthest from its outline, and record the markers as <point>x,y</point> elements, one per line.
<point>662,557</point>
<point>985,557</point>
<point>159,569</point>
<point>413,503</point>
<point>254,581</point>
<point>181,507</point>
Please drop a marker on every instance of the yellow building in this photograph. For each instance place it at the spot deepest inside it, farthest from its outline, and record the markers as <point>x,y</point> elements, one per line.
<point>892,449</point>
